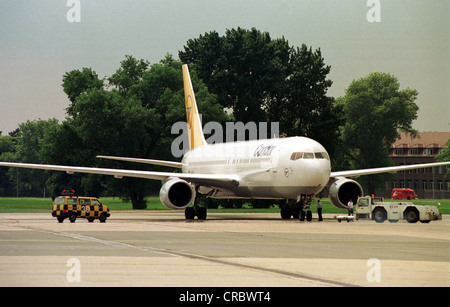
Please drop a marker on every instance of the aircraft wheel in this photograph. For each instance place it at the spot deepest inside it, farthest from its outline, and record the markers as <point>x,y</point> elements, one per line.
<point>201,213</point>
<point>302,215</point>
<point>285,213</point>
<point>189,213</point>
<point>309,215</point>
<point>296,212</point>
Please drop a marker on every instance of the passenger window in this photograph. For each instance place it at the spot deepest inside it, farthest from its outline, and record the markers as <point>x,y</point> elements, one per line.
<point>308,155</point>
<point>296,155</point>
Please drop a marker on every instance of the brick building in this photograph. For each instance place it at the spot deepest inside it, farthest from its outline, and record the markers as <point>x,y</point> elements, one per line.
<point>427,182</point>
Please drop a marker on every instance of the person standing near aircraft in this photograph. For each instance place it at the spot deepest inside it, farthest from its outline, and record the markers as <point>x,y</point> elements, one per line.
<point>350,207</point>
<point>319,210</point>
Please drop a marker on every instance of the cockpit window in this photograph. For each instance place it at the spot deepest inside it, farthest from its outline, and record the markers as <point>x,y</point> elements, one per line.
<point>325,155</point>
<point>318,155</point>
<point>309,155</point>
<point>296,155</point>
<point>321,155</point>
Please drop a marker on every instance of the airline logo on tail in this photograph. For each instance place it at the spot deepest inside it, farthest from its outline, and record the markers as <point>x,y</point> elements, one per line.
<point>195,132</point>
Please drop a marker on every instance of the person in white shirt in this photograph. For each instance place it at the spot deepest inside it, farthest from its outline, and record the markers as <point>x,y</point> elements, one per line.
<point>350,207</point>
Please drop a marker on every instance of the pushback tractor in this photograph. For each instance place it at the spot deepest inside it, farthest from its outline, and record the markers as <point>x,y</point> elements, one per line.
<point>378,210</point>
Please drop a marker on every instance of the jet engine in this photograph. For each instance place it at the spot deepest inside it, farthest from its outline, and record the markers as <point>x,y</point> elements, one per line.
<point>342,190</point>
<point>176,194</point>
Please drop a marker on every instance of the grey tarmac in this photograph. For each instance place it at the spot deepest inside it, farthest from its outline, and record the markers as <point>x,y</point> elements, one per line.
<point>162,249</point>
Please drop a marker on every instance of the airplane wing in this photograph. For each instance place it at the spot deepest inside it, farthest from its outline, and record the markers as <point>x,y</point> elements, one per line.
<point>212,180</point>
<point>148,161</point>
<point>379,170</point>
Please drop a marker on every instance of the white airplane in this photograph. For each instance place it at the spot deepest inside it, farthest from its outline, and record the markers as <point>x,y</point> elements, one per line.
<point>292,168</point>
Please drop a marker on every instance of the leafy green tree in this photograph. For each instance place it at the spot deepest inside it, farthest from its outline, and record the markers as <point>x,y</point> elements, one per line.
<point>265,79</point>
<point>130,116</point>
<point>304,108</point>
<point>6,151</point>
<point>375,110</point>
<point>130,73</point>
<point>77,82</point>
<point>107,123</point>
<point>242,68</point>
<point>63,146</point>
<point>27,143</point>
<point>444,156</point>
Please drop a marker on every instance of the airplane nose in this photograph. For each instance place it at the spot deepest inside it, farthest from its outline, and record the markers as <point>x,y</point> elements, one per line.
<point>320,174</point>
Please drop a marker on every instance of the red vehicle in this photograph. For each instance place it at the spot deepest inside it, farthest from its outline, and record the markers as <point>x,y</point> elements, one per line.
<point>403,194</point>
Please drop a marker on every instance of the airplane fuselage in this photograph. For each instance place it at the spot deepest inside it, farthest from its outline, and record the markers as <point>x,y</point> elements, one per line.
<point>271,168</point>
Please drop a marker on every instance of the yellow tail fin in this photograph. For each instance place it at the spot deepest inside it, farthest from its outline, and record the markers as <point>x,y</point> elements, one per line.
<point>195,131</point>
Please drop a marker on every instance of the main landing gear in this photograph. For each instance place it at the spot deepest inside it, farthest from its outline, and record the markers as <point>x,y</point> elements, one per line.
<point>298,210</point>
<point>191,212</point>
<point>196,211</point>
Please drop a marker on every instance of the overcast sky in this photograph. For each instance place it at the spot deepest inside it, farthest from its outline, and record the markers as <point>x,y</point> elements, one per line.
<point>38,44</point>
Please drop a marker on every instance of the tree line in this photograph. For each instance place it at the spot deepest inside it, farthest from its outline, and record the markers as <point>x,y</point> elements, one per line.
<point>258,78</point>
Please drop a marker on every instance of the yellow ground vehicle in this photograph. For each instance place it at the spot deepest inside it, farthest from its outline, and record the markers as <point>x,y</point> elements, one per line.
<point>71,206</point>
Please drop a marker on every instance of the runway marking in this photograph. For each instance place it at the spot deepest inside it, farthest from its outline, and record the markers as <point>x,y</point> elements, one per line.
<point>105,242</point>
<point>288,274</point>
<point>199,257</point>
<point>191,256</point>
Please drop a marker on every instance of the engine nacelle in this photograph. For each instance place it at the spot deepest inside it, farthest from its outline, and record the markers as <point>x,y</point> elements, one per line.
<point>342,190</point>
<point>176,194</point>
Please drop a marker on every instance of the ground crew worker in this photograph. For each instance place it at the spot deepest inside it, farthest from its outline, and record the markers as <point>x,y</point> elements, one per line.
<point>319,210</point>
<point>350,207</point>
